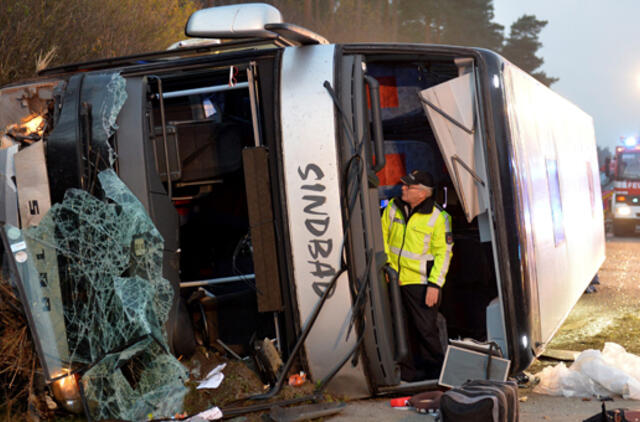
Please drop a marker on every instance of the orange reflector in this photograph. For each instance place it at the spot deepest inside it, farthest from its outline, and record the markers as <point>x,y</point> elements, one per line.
<point>621,198</point>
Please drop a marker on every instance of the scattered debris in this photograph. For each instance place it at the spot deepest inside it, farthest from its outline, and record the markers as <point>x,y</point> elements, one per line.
<point>213,378</point>
<point>267,360</point>
<point>400,402</point>
<point>208,415</point>
<point>594,374</point>
<point>558,354</point>
<point>296,380</point>
<point>523,379</point>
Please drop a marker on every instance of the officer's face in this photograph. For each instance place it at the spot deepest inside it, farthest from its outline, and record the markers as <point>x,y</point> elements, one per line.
<point>413,194</point>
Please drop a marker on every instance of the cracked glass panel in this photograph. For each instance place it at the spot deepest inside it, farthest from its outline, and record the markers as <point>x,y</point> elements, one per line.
<point>113,102</point>
<point>92,278</point>
<point>78,145</point>
<point>141,380</point>
<point>109,105</point>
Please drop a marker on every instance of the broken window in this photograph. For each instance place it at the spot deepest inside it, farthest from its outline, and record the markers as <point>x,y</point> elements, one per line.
<point>91,280</point>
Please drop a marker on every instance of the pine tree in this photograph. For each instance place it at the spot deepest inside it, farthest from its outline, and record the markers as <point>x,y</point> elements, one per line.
<point>470,23</point>
<point>522,45</point>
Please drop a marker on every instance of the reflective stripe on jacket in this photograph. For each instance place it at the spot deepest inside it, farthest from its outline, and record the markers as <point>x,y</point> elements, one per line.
<point>418,244</point>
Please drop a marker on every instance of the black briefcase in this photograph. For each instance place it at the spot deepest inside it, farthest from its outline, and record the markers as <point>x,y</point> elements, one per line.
<point>481,401</point>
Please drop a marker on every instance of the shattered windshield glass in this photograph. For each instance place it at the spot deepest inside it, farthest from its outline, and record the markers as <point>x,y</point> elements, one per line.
<point>111,101</point>
<point>91,274</point>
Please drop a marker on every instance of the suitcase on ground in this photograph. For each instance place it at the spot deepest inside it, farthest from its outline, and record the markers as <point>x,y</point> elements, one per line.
<point>615,415</point>
<point>426,402</point>
<point>481,401</point>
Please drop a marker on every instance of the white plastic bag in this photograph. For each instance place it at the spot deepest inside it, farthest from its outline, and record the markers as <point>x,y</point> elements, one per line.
<point>606,372</point>
<point>562,381</point>
<point>616,355</point>
<point>594,373</point>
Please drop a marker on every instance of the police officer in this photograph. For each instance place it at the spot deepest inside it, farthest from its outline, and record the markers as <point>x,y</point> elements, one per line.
<point>418,243</point>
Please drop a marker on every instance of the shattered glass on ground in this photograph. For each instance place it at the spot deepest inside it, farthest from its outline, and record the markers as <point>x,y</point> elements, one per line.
<point>113,298</point>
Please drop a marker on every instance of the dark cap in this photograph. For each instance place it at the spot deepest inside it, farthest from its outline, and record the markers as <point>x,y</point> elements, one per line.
<point>418,177</point>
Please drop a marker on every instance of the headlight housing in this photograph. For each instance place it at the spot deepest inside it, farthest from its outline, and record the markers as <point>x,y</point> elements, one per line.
<point>623,210</point>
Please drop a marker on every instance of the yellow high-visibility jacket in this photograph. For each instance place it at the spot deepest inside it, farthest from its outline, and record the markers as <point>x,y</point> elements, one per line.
<point>418,245</point>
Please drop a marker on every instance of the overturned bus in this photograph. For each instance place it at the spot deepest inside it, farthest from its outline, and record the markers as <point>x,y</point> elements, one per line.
<point>265,161</point>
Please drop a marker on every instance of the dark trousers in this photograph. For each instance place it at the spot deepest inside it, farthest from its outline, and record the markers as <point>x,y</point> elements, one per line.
<point>426,354</point>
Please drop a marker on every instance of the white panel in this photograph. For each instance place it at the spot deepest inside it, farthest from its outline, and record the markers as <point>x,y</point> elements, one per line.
<point>456,98</point>
<point>545,126</point>
<point>33,184</point>
<point>314,210</point>
<point>233,21</point>
<point>8,191</point>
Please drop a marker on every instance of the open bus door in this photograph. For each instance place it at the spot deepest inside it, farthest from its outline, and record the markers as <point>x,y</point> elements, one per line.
<point>362,155</point>
<point>383,122</point>
<point>449,144</point>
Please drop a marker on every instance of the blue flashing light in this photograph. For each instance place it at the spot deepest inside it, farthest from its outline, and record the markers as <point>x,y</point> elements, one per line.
<point>630,141</point>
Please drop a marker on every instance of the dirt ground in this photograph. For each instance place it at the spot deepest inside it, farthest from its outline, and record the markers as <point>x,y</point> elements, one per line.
<point>611,314</point>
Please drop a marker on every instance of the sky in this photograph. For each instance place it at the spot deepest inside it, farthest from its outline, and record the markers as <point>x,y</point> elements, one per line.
<point>593,46</point>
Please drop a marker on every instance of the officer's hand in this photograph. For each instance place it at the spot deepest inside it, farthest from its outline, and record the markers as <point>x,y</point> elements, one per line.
<point>432,296</point>
<point>390,273</point>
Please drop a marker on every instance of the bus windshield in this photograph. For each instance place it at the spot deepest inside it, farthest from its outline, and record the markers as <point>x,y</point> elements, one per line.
<point>629,166</point>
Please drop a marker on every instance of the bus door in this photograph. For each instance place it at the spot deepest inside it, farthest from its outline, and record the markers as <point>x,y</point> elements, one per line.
<point>362,156</point>
<point>388,90</point>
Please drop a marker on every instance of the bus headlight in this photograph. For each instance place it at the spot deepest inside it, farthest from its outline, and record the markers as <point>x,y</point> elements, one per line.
<point>67,393</point>
<point>623,210</point>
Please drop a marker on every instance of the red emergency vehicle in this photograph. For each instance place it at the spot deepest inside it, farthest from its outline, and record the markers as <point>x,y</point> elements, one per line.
<point>625,201</point>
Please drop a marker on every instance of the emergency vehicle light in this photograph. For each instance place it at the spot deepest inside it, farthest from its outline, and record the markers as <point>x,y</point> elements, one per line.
<point>630,141</point>
<point>619,149</point>
<point>621,198</point>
